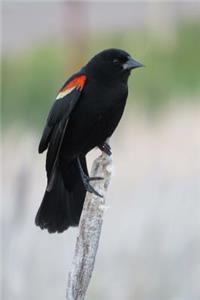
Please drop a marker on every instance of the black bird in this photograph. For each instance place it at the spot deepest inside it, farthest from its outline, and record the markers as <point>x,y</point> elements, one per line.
<point>87,110</point>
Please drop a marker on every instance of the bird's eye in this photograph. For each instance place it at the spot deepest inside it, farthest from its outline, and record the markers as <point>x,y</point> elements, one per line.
<point>115,61</point>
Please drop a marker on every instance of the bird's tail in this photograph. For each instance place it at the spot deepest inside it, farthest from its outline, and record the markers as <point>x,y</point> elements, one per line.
<point>61,207</point>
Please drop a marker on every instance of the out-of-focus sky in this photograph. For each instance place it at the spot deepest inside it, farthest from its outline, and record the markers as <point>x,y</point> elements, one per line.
<point>28,23</point>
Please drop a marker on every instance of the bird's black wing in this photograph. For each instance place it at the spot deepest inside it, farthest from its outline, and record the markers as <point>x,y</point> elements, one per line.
<point>57,120</point>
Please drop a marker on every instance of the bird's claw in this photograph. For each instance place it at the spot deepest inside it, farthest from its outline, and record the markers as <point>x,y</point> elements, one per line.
<point>89,187</point>
<point>86,181</point>
<point>105,147</point>
<point>95,178</point>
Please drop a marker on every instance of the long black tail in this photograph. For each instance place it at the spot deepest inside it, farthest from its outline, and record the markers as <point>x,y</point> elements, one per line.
<point>61,207</point>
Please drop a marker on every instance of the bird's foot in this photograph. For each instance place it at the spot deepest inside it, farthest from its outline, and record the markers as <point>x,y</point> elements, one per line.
<point>88,186</point>
<point>86,180</point>
<point>105,147</point>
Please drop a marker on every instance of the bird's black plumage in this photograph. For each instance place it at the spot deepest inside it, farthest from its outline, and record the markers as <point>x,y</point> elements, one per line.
<point>88,109</point>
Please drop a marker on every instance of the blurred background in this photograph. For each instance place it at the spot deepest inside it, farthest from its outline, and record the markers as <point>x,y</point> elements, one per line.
<point>150,241</point>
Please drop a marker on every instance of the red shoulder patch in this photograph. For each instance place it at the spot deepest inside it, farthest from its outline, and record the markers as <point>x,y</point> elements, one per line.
<point>76,83</point>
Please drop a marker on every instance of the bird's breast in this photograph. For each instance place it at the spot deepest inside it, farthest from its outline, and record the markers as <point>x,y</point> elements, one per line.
<point>94,118</point>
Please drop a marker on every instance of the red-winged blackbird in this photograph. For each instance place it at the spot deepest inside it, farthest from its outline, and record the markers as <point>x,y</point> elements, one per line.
<point>87,110</point>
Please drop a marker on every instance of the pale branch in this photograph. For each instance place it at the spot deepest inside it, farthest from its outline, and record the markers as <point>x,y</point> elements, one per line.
<point>89,231</point>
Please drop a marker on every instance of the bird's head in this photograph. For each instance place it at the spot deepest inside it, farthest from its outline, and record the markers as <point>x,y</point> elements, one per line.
<point>112,64</point>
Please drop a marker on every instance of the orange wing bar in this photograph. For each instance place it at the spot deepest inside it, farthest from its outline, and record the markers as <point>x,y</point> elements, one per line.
<point>77,82</point>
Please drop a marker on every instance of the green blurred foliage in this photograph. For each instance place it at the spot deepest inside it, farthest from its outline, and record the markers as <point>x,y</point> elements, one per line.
<point>29,83</point>
<point>31,80</point>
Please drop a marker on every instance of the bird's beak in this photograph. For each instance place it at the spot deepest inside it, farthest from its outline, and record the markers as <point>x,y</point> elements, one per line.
<point>132,64</point>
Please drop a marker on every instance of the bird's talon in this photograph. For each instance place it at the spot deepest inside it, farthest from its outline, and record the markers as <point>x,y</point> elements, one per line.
<point>105,147</point>
<point>86,181</point>
<point>91,190</point>
<point>94,178</point>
